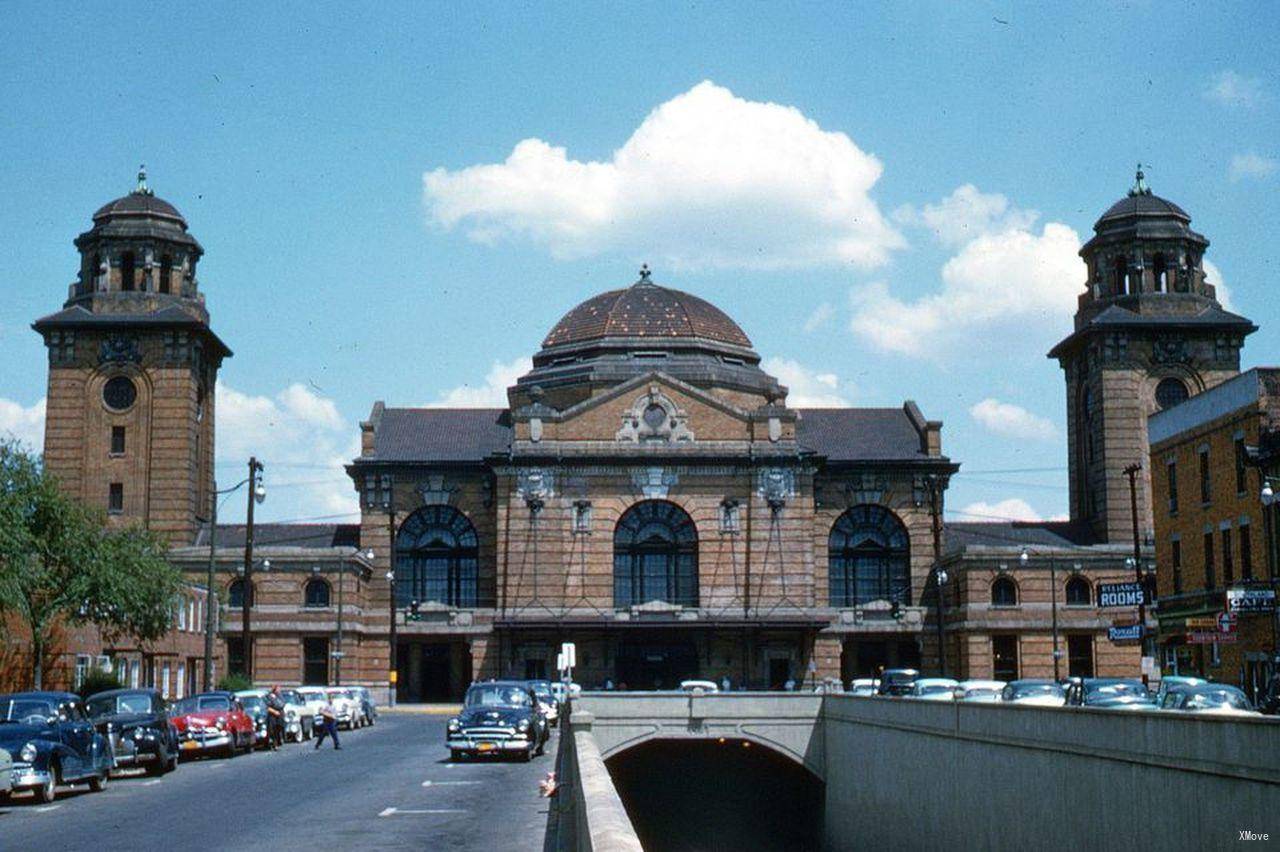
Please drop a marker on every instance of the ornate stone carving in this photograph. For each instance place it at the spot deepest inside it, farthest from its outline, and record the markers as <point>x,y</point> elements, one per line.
<point>1169,350</point>
<point>535,486</point>
<point>654,418</point>
<point>777,485</point>
<point>654,482</point>
<point>120,349</point>
<point>434,492</point>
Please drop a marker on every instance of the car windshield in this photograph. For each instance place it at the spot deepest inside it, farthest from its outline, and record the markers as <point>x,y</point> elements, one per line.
<point>27,709</point>
<point>203,703</point>
<point>898,677</point>
<point>980,691</point>
<point>311,696</point>
<point>1113,690</point>
<point>253,702</point>
<point>1220,697</point>
<point>497,695</point>
<point>935,688</point>
<point>339,693</point>
<point>134,702</point>
<point>1032,690</point>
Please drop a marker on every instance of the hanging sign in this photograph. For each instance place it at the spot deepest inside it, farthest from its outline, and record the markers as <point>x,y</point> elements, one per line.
<point>1127,633</point>
<point>1251,600</point>
<point>1121,594</point>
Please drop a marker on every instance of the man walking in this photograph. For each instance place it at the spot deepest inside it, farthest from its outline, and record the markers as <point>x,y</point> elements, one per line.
<point>328,724</point>
<point>275,719</point>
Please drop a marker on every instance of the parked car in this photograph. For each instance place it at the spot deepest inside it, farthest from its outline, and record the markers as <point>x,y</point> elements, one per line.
<point>299,720</point>
<point>313,698</point>
<point>254,703</point>
<point>1169,681</point>
<point>984,691</point>
<point>213,722</point>
<point>52,742</point>
<point>1034,692</point>
<point>1209,699</point>
<point>136,723</point>
<point>897,682</point>
<point>368,709</point>
<point>696,685</point>
<point>6,774</point>
<point>934,689</point>
<point>864,686</point>
<point>498,717</point>
<point>547,701</point>
<point>345,706</point>
<point>1110,693</point>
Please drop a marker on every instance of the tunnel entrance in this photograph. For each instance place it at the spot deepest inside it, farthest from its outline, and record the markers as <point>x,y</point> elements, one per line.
<point>726,794</point>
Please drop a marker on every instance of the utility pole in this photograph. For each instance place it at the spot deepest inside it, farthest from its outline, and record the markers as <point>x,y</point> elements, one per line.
<point>1132,472</point>
<point>939,575</point>
<point>246,589</point>
<point>337,658</point>
<point>389,503</point>
<point>210,597</point>
<point>1053,584</point>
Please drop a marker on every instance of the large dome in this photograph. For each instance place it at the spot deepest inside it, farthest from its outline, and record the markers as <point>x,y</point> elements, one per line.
<point>646,310</point>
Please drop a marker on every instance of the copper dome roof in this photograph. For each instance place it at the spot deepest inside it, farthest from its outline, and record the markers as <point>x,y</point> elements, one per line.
<point>646,310</point>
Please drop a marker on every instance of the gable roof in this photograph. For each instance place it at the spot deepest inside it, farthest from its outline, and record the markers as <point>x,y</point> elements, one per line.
<point>860,434</point>
<point>284,535</point>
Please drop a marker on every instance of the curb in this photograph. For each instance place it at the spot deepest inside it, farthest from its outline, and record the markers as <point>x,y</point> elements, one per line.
<point>423,709</point>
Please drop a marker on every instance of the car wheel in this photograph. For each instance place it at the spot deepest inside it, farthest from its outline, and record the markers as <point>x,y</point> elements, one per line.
<point>172,764</point>
<point>98,783</point>
<point>157,766</point>
<point>526,756</point>
<point>457,755</point>
<point>47,791</point>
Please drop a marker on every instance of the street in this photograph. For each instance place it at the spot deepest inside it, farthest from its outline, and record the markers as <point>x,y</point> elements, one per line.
<point>391,786</point>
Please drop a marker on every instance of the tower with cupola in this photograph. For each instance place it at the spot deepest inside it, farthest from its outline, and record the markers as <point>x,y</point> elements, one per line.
<point>132,371</point>
<point>1149,332</point>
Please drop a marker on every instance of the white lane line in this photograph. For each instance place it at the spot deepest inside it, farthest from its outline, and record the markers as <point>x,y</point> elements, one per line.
<point>150,783</point>
<point>386,812</point>
<point>47,808</point>
<point>449,783</point>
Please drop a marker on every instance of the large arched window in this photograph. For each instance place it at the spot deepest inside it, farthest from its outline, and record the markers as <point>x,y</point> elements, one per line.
<point>655,556</point>
<point>868,557</point>
<point>235,593</point>
<point>436,558</point>
<point>1004,592</point>
<point>316,593</point>
<point>1078,592</point>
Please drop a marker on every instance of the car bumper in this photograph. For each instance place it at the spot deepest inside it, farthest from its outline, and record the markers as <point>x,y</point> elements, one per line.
<point>199,743</point>
<point>23,776</point>
<point>479,745</point>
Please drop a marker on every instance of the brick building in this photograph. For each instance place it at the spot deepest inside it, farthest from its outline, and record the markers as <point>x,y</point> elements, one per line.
<point>1214,532</point>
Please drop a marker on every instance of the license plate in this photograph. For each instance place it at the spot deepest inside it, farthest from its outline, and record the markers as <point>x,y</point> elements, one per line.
<point>190,744</point>
<point>484,747</point>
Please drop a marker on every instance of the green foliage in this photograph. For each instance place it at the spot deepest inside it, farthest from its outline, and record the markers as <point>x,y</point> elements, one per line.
<point>234,682</point>
<point>97,681</point>
<point>58,560</point>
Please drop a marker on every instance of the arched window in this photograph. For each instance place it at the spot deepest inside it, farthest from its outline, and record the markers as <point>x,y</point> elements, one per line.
<point>126,271</point>
<point>868,557</point>
<point>166,272</point>
<point>1078,592</point>
<point>1160,273</point>
<point>1004,592</point>
<point>436,558</point>
<point>1170,392</point>
<point>316,593</point>
<point>655,556</point>
<point>1122,276</point>
<point>235,593</point>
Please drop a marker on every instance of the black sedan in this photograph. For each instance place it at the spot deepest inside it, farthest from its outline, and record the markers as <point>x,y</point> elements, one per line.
<point>52,742</point>
<point>136,723</point>
<point>498,717</point>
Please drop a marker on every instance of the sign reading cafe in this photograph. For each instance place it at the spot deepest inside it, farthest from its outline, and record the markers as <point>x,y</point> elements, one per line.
<point>1251,600</point>
<point>1121,594</point>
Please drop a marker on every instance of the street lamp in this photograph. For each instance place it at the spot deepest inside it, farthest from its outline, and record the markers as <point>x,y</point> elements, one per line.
<point>257,494</point>
<point>1025,557</point>
<point>940,580</point>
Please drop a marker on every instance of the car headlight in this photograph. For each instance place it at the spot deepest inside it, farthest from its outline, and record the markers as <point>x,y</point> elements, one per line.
<point>28,753</point>
<point>221,723</point>
<point>454,725</point>
<point>291,715</point>
<point>524,725</point>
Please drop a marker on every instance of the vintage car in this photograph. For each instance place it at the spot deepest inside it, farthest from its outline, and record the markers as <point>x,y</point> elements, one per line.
<point>547,701</point>
<point>864,686</point>
<point>255,705</point>
<point>52,742</point>
<point>212,723</point>
<point>1034,692</point>
<point>695,686</point>
<point>368,709</point>
<point>6,774</point>
<point>1169,681</point>
<point>897,682</point>
<point>498,717</point>
<point>346,707</point>
<point>979,691</point>
<point>1110,693</point>
<point>313,698</point>
<point>136,723</point>
<point>299,719</point>
<point>933,689</point>
<point>1208,699</point>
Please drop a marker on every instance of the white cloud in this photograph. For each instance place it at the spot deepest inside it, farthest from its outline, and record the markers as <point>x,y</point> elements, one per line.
<point>821,316</point>
<point>1012,509</point>
<point>807,388</point>
<point>23,423</point>
<point>708,180</point>
<point>1252,165</point>
<point>1008,276</point>
<point>1014,421</point>
<point>492,393</point>
<point>1235,90</point>
<point>966,214</point>
<point>303,442</point>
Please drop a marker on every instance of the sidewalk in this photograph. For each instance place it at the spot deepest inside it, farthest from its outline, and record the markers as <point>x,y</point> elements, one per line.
<point>429,709</point>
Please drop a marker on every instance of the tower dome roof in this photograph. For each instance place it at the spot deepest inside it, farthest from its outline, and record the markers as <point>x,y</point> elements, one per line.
<point>646,310</point>
<point>139,215</point>
<point>1142,204</point>
<point>140,204</point>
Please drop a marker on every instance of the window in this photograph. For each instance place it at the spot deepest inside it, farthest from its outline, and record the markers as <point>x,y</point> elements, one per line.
<point>119,393</point>
<point>166,272</point>
<point>115,498</point>
<point>1246,553</point>
<point>179,685</point>
<point>1208,560</point>
<point>1206,491</point>
<point>235,654</point>
<point>1078,592</point>
<point>1228,563</point>
<point>1241,483</point>
<point>1159,273</point>
<point>164,680</point>
<point>655,556</point>
<point>82,668</point>
<point>182,614</point>
<point>127,265</point>
<point>1172,468</point>
<point>582,517</point>
<point>1004,657</point>
<point>235,593</point>
<point>1170,392</point>
<point>117,440</point>
<point>436,558</point>
<point>1004,592</point>
<point>1176,559</point>
<point>730,517</point>
<point>316,593</point>
<point>315,661</point>
<point>868,558</point>
<point>1080,655</point>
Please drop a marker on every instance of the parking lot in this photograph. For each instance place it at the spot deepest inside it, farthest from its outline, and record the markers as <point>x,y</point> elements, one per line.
<point>391,786</point>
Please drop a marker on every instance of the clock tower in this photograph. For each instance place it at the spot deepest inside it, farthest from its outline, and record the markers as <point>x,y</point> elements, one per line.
<point>132,370</point>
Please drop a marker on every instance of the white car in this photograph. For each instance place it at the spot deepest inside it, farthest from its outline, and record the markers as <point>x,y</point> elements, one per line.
<point>984,691</point>
<point>934,689</point>
<point>346,706</point>
<point>864,686</point>
<point>696,686</point>
<point>313,699</point>
<point>299,721</point>
<point>1208,699</point>
<point>1036,693</point>
<point>6,774</point>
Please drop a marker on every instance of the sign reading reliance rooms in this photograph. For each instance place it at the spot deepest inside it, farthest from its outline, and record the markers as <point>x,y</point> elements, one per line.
<point>1121,594</point>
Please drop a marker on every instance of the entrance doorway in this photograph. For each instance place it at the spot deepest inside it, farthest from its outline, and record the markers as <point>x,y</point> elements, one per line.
<point>315,661</point>
<point>655,665</point>
<point>862,658</point>
<point>432,671</point>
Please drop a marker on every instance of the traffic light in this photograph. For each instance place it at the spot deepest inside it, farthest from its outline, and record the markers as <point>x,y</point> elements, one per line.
<point>414,615</point>
<point>896,610</point>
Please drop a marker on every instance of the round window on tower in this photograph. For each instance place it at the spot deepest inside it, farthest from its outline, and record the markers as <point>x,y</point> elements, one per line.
<point>119,393</point>
<point>655,416</point>
<point>1170,392</point>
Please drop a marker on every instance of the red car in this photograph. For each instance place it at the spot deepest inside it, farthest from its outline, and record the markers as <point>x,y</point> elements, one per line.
<point>212,723</point>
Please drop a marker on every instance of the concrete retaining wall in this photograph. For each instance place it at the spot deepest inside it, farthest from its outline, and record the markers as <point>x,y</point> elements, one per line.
<point>598,822</point>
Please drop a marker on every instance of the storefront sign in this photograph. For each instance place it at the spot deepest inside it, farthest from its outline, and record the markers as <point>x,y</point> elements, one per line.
<point>1209,637</point>
<point>1251,600</point>
<point>1128,633</point>
<point>1206,623</point>
<point>1121,594</point>
<point>1227,622</point>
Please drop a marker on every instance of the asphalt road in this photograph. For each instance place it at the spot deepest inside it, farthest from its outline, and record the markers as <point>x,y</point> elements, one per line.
<point>391,786</point>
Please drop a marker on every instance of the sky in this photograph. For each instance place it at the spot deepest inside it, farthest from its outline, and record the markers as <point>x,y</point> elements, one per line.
<point>397,202</point>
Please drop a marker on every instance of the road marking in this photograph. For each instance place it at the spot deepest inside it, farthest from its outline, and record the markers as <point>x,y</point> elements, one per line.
<point>47,808</point>
<point>449,783</point>
<point>150,783</point>
<point>386,812</point>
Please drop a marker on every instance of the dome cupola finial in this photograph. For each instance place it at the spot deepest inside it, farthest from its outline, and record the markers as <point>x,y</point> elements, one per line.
<point>142,188</point>
<point>1140,183</point>
<point>645,274</point>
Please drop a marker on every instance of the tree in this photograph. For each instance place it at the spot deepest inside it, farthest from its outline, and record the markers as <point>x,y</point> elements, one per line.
<point>59,560</point>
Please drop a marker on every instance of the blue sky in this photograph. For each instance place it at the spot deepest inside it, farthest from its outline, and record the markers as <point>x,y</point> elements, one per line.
<point>886,198</point>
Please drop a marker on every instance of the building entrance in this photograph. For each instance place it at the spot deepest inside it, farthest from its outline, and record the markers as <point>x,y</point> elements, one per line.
<point>655,665</point>
<point>432,671</point>
<point>868,657</point>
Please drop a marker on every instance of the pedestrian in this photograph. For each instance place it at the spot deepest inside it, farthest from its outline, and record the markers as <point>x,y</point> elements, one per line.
<point>725,684</point>
<point>608,684</point>
<point>1272,703</point>
<point>328,724</point>
<point>275,719</point>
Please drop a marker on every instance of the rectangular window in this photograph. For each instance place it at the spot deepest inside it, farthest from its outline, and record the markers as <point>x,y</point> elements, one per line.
<point>1209,582</point>
<point>115,498</point>
<point>1228,562</point>
<point>1173,487</point>
<point>164,680</point>
<point>1206,490</point>
<point>1241,485</point>
<point>82,668</point>
<point>179,685</point>
<point>117,440</point>
<point>315,661</point>
<point>1080,656</point>
<point>182,616</point>
<point>235,655</point>
<point>1177,566</point>
<point>1246,553</point>
<point>1004,657</point>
